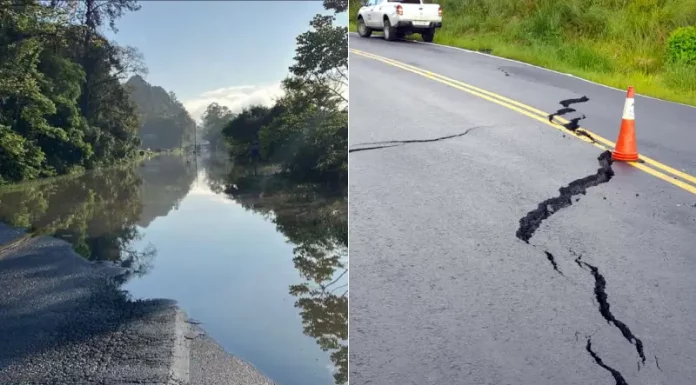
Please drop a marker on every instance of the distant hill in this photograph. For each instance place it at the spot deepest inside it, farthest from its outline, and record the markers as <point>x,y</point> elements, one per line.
<point>165,123</point>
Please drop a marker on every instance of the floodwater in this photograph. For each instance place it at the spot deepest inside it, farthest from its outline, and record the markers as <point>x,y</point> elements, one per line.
<point>260,262</point>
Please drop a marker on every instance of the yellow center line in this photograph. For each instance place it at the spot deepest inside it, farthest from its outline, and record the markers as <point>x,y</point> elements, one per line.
<point>542,117</point>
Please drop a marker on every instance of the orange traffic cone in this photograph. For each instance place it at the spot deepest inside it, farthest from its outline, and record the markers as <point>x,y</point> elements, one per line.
<point>626,149</point>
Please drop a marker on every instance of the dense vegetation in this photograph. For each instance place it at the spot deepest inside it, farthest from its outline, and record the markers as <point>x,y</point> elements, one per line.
<point>62,105</point>
<point>165,123</point>
<point>306,130</point>
<point>614,42</point>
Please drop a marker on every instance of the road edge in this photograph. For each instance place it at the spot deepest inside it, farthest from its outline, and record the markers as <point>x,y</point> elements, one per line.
<point>537,67</point>
<point>179,371</point>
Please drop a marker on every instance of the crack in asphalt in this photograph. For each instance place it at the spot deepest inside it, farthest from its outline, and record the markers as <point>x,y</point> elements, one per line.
<point>614,373</point>
<point>551,259</point>
<point>372,148</point>
<point>573,125</point>
<point>531,222</point>
<point>396,143</point>
<point>657,362</point>
<point>568,102</point>
<point>578,258</point>
<point>561,112</point>
<point>604,309</point>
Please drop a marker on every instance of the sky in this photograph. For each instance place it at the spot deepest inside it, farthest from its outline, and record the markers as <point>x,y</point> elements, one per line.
<point>234,53</point>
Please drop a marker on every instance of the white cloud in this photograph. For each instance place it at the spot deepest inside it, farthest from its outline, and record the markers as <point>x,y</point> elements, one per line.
<point>234,98</point>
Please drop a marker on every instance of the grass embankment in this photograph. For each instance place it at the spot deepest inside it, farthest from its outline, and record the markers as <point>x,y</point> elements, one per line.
<point>618,43</point>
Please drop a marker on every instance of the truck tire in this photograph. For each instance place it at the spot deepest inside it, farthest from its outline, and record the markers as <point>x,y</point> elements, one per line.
<point>428,35</point>
<point>363,30</point>
<point>389,31</point>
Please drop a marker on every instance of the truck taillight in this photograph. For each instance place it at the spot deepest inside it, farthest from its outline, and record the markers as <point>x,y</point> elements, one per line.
<point>439,11</point>
<point>399,10</point>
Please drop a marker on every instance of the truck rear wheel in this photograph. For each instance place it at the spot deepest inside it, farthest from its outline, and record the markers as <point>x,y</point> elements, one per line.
<point>363,30</point>
<point>428,35</point>
<point>389,31</point>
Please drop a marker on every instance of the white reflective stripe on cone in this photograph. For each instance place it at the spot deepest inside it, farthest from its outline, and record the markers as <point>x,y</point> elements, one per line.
<point>629,109</point>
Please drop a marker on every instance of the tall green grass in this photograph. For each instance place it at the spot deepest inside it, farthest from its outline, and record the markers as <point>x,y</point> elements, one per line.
<point>619,43</point>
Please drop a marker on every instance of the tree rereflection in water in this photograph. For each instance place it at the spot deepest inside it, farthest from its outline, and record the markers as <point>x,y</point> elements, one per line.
<point>102,213</point>
<point>314,220</point>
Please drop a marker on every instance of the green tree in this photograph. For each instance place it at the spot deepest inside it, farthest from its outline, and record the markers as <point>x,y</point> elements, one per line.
<point>215,118</point>
<point>337,6</point>
<point>306,131</point>
<point>321,57</point>
<point>93,14</point>
<point>62,105</point>
<point>245,127</point>
<point>37,96</point>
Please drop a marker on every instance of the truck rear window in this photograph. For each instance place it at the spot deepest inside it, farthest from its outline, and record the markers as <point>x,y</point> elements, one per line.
<point>407,1</point>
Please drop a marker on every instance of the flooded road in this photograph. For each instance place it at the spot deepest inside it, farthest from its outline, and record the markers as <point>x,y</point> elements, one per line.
<point>260,262</point>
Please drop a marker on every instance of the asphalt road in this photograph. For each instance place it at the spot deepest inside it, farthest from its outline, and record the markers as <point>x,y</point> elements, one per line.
<point>444,288</point>
<point>63,320</point>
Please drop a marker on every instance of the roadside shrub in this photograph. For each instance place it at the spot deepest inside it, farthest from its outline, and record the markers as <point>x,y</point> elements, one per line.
<point>681,46</point>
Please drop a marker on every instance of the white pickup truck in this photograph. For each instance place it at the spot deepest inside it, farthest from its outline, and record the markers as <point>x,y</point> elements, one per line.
<point>398,18</point>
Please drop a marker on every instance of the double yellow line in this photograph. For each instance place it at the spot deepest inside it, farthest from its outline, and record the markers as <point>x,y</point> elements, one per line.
<point>648,165</point>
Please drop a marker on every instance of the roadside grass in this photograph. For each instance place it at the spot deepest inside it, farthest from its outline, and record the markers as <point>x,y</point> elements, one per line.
<point>618,43</point>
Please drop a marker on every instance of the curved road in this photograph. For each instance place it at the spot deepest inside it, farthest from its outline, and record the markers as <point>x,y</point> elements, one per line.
<point>470,266</point>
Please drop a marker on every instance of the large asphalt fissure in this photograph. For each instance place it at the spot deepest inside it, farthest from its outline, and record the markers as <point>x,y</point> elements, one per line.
<point>531,222</point>
<point>600,291</point>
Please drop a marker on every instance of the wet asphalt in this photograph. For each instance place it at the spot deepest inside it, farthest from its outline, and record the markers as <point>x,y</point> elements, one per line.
<point>64,320</point>
<point>459,275</point>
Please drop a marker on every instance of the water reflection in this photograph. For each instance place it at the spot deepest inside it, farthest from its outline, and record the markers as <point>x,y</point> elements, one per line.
<point>110,216</point>
<point>102,214</point>
<point>315,220</point>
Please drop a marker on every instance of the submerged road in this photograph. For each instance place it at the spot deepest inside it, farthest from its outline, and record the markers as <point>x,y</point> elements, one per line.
<point>64,320</point>
<point>489,246</point>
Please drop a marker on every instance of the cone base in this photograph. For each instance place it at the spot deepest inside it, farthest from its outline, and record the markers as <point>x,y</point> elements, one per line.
<point>625,157</point>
